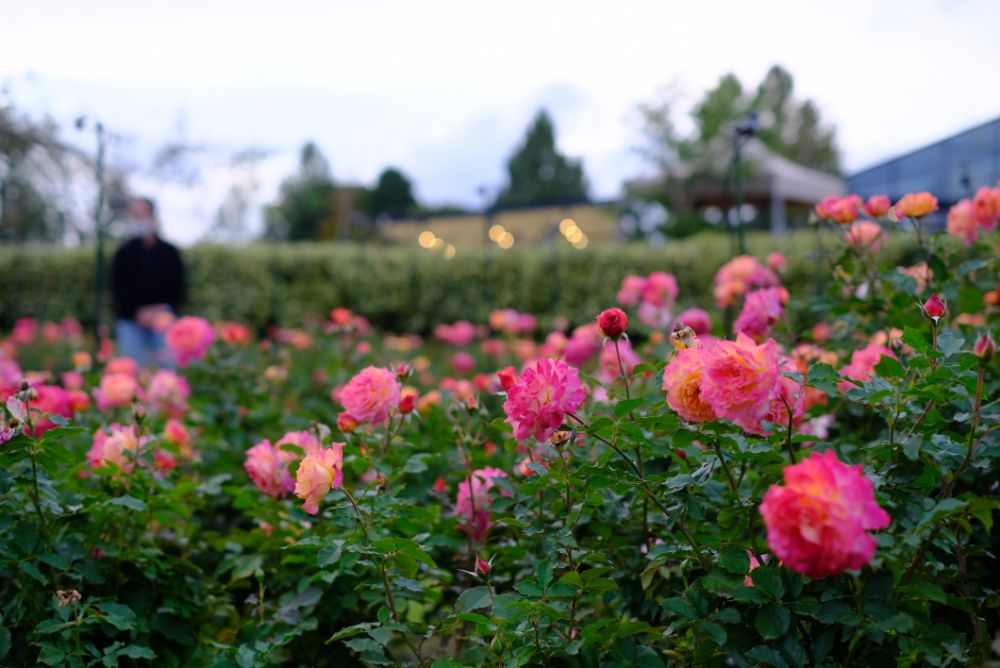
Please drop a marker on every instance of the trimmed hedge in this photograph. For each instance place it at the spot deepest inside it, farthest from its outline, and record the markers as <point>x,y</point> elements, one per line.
<point>405,289</point>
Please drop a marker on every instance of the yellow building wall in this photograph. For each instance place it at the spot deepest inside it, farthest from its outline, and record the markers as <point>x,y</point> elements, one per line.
<point>534,226</point>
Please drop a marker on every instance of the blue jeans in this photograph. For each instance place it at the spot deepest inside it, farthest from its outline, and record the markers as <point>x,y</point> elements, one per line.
<point>145,346</point>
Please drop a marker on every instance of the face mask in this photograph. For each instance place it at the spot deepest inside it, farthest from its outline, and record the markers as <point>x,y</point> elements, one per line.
<point>141,227</point>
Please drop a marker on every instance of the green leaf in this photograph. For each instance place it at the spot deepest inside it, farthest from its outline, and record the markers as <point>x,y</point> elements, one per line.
<point>473,599</point>
<point>416,464</point>
<point>734,559</point>
<point>889,367</point>
<point>411,549</point>
<point>129,502</point>
<point>916,339</point>
<point>118,615</point>
<point>943,508</point>
<point>772,622</point>
<point>823,377</point>
<point>715,632</point>
<point>4,642</point>
<point>544,573</point>
<point>680,608</point>
<point>349,631</point>
<point>623,407</point>
<point>137,652</point>
<point>950,341</point>
<point>767,580</point>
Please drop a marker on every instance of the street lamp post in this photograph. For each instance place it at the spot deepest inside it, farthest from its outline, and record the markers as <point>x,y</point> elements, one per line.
<point>98,223</point>
<point>742,133</point>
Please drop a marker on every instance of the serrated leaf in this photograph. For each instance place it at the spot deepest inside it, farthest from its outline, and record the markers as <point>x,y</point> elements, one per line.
<point>772,621</point>
<point>734,559</point>
<point>473,599</point>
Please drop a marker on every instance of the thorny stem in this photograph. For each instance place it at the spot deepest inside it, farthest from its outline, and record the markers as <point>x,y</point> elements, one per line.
<point>638,450</point>
<point>644,487</point>
<point>949,484</point>
<point>389,598</point>
<point>733,487</point>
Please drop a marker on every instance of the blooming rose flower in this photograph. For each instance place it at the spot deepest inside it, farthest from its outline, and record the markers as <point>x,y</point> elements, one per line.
<point>915,205</point>
<point>116,390</point>
<point>117,447</point>
<point>776,262</point>
<point>962,222</point>
<point>877,206</point>
<point>461,333</point>
<point>463,363</point>
<point>697,319</point>
<point>761,310</point>
<point>862,365</point>
<point>53,400</point>
<point>817,523</point>
<point>739,380</point>
<point>303,439</point>
<point>473,501</point>
<point>538,402</point>
<point>864,234</point>
<point>986,207</point>
<point>660,289</point>
<point>740,275</point>
<point>682,381</point>
<point>585,342</point>
<point>233,333</point>
<point>371,395</point>
<point>631,290</point>
<point>267,467</point>
<point>175,432</point>
<point>168,392</point>
<point>124,365</point>
<point>189,339</point>
<point>319,472</point>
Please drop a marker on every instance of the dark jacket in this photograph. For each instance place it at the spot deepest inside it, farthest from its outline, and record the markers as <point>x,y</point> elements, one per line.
<point>143,275</point>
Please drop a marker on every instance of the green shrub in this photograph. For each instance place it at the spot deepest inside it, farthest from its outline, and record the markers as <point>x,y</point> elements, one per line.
<point>403,289</point>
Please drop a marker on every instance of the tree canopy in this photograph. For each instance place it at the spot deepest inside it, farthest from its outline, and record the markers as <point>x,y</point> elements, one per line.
<point>538,173</point>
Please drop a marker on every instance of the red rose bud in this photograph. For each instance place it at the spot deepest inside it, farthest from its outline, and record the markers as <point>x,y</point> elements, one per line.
<point>985,347</point>
<point>482,566</point>
<point>440,485</point>
<point>346,423</point>
<point>934,308</point>
<point>613,322</point>
<point>507,378</point>
<point>472,402</point>
<point>403,370</point>
<point>406,404</point>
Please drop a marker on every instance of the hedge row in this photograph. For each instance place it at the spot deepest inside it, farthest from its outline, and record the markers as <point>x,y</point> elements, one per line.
<point>404,289</point>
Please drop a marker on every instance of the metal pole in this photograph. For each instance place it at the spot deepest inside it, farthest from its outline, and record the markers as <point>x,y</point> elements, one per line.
<point>99,227</point>
<point>738,188</point>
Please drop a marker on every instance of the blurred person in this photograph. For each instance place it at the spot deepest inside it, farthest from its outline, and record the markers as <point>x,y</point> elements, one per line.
<point>148,282</point>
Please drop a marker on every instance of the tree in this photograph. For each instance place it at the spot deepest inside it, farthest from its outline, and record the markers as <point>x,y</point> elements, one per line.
<point>392,196</point>
<point>306,209</point>
<point>786,126</point>
<point>538,173</point>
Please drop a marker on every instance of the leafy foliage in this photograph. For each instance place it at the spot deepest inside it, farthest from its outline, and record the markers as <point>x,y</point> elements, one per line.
<point>626,541</point>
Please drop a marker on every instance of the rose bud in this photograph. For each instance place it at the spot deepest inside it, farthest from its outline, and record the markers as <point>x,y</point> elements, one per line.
<point>403,370</point>
<point>984,348</point>
<point>613,322</point>
<point>482,566</point>
<point>507,378</point>
<point>407,403</point>
<point>346,423</point>
<point>934,308</point>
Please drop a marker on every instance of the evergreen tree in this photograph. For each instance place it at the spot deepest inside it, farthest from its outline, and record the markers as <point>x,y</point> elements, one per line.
<point>307,209</point>
<point>538,173</point>
<point>392,195</point>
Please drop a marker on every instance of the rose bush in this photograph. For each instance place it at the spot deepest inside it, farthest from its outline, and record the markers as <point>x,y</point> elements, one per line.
<point>813,481</point>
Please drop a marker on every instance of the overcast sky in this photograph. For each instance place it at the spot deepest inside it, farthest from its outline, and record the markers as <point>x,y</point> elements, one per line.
<point>444,90</point>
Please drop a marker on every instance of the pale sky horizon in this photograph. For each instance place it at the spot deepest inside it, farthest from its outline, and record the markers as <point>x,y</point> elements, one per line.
<point>444,90</point>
